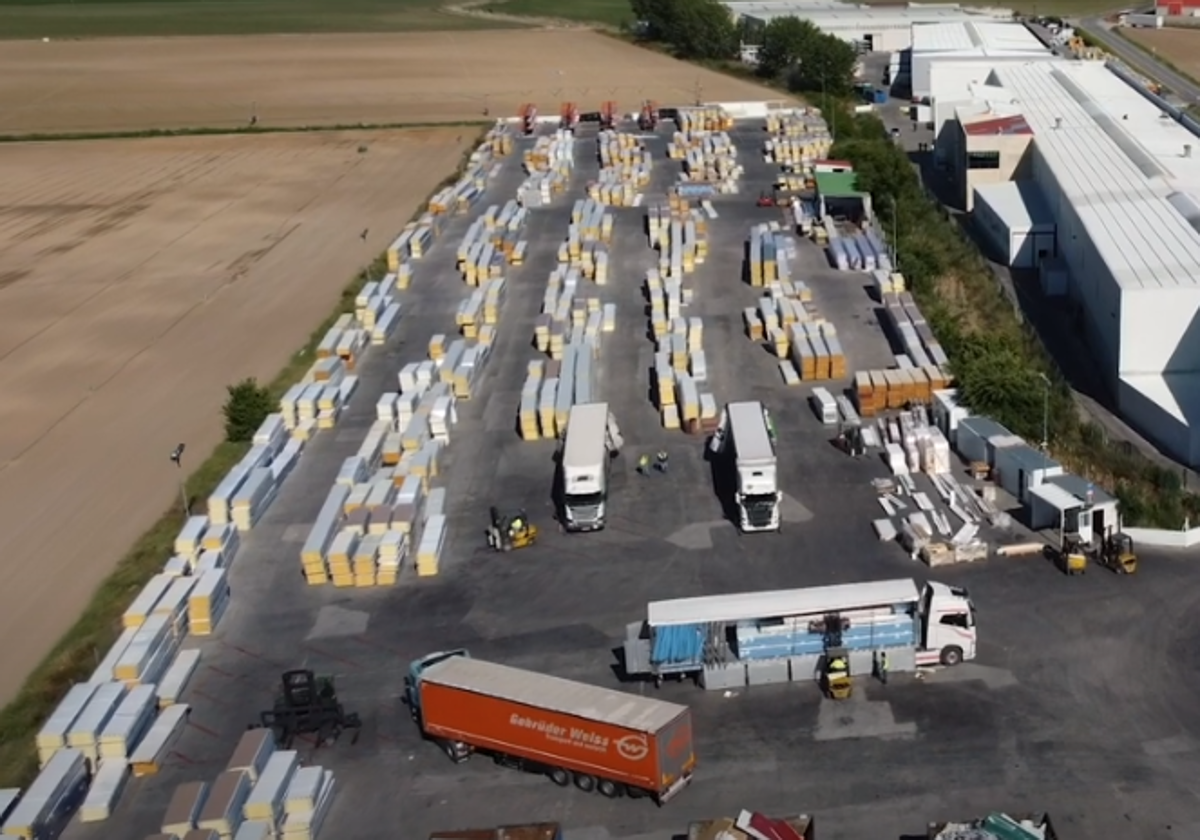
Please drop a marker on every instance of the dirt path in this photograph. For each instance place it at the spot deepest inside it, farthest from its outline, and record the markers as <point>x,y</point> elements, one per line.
<point>474,9</point>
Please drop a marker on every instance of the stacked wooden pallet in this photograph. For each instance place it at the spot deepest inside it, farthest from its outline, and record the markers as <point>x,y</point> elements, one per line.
<point>879,390</point>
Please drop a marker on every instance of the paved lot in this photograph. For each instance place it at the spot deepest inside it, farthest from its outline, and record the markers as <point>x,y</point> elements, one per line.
<point>1080,701</point>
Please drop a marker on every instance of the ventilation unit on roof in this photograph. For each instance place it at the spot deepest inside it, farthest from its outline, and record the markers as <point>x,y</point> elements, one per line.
<point>1163,115</point>
<point>1058,122</point>
<point>1187,150</point>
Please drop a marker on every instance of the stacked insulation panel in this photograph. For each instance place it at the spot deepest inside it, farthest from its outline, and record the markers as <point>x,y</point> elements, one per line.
<point>888,283</point>
<point>464,193</point>
<point>568,318</point>
<point>768,257</point>
<point>816,351</point>
<point>680,365</point>
<point>491,242</point>
<point>919,347</point>
<point>499,139</point>
<point>377,310</point>
<point>625,165</point>
<point>415,239</point>
<point>680,234</point>
<point>703,118</point>
<point>306,803</point>
<point>708,154</point>
<point>548,166</point>
<point>52,797</point>
<point>863,251</point>
<point>797,139</point>
<point>480,309</point>
<point>207,602</point>
<point>879,390</point>
<point>369,525</point>
<point>527,411</point>
<point>588,237</point>
<point>148,756</point>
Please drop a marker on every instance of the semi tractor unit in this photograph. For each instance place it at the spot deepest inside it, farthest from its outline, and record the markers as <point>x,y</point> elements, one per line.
<point>754,638</point>
<point>592,437</point>
<point>745,440</point>
<point>595,738</point>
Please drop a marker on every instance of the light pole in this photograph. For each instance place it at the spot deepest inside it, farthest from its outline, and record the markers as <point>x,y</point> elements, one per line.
<point>895,234</point>
<point>1045,418</point>
<point>177,459</point>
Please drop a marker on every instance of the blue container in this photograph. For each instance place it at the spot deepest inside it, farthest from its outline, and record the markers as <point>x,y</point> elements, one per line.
<point>880,97</point>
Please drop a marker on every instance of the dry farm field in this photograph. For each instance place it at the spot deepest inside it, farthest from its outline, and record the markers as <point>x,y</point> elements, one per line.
<point>1180,46</point>
<point>298,80</point>
<point>137,279</point>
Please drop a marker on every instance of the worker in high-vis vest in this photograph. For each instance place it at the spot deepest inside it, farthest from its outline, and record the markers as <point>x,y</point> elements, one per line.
<point>838,667</point>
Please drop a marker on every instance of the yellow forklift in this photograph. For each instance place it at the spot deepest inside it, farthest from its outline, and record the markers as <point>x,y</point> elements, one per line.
<point>510,530</point>
<point>1116,553</point>
<point>836,674</point>
<point>1072,554</point>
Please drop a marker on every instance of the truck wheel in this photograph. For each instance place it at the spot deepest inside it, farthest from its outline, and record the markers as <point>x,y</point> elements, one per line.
<point>585,783</point>
<point>634,792</point>
<point>951,655</point>
<point>608,789</point>
<point>560,777</point>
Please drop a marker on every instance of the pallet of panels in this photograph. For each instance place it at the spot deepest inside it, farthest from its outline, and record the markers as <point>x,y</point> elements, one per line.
<point>222,811</point>
<point>254,749</point>
<point>132,718</point>
<point>266,798</point>
<point>53,796</point>
<point>207,602</point>
<point>188,540</point>
<point>429,549</point>
<point>150,753</point>
<point>184,808</point>
<point>306,824</point>
<point>150,651</point>
<point>52,737</point>
<point>176,677</point>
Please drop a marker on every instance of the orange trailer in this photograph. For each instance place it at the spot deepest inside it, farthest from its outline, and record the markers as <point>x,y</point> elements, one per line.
<point>597,738</point>
<point>569,116</point>
<point>528,117</point>
<point>608,114</point>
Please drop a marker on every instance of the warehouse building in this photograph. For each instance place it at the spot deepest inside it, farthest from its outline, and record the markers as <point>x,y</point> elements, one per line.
<point>870,28</point>
<point>1118,176</point>
<point>951,61</point>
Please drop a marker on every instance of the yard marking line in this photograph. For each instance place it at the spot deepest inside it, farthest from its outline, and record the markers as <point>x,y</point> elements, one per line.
<point>203,729</point>
<point>334,657</point>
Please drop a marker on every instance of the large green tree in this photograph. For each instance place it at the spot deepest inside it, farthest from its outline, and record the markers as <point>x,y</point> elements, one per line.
<point>695,28</point>
<point>827,64</point>
<point>785,42</point>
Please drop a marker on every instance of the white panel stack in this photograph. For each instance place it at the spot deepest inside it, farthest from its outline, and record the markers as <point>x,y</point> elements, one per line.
<point>147,757</point>
<point>52,737</point>
<point>252,753</point>
<point>222,812</point>
<point>188,541</point>
<point>253,498</point>
<point>184,808</point>
<point>255,830</point>
<point>207,602</point>
<point>429,549</point>
<point>129,722</point>
<point>176,678</point>
<point>107,785</point>
<point>266,800</point>
<point>52,795</point>
<point>305,825</point>
<point>151,651</point>
<point>104,671</point>
<point>221,500</point>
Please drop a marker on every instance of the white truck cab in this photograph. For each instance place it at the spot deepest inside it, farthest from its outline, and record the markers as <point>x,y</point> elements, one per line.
<point>948,625</point>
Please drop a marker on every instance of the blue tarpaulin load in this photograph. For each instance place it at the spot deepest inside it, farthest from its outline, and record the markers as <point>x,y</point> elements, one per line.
<point>677,644</point>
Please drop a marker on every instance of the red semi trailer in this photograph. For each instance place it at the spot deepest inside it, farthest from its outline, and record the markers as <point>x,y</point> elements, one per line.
<point>597,738</point>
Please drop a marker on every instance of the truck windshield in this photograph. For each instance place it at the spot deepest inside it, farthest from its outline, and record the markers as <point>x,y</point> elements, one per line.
<point>584,499</point>
<point>759,499</point>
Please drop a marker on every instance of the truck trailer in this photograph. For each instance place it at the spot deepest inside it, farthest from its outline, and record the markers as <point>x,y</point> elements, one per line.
<point>584,467</point>
<point>757,638</point>
<point>595,738</point>
<point>744,437</point>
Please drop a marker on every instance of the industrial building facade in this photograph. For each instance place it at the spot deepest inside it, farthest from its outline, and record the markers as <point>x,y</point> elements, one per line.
<point>1071,170</point>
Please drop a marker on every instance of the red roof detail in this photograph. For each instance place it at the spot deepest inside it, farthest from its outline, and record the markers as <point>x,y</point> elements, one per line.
<point>1000,125</point>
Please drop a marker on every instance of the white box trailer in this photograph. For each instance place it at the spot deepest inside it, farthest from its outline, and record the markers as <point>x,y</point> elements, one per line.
<point>744,436</point>
<point>584,468</point>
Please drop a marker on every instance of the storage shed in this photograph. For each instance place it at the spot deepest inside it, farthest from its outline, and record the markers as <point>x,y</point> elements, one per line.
<point>974,439</point>
<point>1073,505</point>
<point>1016,220</point>
<point>948,413</point>
<point>1018,469</point>
<point>838,195</point>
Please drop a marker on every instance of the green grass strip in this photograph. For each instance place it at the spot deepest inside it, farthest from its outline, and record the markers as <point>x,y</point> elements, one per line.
<point>81,649</point>
<point>213,131</point>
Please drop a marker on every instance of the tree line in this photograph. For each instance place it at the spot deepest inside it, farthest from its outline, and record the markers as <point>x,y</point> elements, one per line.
<point>792,52</point>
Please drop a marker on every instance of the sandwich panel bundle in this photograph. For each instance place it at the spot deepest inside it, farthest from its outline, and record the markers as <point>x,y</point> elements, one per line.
<point>253,498</point>
<point>255,830</point>
<point>150,651</point>
<point>306,824</point>
<point>224,538</point>
<point>393,548</point>
<point>188,541</point>
<point>184,808</point>
<point>222,811</point>
<point>429,548</point>
<point>144,603</point>
<point>207,602</point>
<point>106,669</point>
<point>132,718</point>
<point>254,749</point>
<point>176,677</point>
<point>52,737</point>
<point>50,801</point>
<point>365,554</point>
<point>107,785</point>
<point>267,797</point>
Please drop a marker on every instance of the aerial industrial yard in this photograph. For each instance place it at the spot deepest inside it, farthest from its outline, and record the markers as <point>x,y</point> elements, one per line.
<point>903,645</point>
<point>1013,729</point>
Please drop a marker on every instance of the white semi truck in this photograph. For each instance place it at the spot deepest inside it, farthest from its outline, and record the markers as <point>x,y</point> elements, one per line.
<point>592,438</point>
<point>745,436</point>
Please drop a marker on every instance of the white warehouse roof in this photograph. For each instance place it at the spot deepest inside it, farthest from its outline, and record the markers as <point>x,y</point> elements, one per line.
<point>1117,160</point>
<point>1020,205</point>
<point>976,38</point>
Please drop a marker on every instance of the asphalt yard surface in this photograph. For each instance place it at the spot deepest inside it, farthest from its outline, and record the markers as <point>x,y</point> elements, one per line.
<point>1080,701</point>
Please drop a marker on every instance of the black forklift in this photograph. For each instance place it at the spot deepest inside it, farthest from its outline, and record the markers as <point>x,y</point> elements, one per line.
<point>308,705</point>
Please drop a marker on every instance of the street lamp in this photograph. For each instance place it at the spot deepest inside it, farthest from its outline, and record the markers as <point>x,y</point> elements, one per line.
<point>1045,417</point>
<point>177,459</point>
